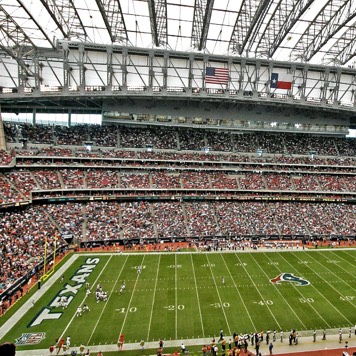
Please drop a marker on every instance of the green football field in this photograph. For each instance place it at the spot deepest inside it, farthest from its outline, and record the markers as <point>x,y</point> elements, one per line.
<point>194,295</point>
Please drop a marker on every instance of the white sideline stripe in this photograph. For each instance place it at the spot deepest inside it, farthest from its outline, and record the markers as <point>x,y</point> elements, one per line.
<point>9,324</point>
<point>258,290</point>
<point>154,298</point>
<point>246,250</point>
<point>196,289</point>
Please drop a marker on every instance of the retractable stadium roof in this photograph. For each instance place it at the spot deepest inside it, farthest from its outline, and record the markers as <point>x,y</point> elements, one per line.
<point>308,31</point>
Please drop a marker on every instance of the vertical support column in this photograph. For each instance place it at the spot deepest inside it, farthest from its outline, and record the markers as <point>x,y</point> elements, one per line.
<point>165,70</point>
<point>2,134</point>
<point>324,78</point>
<point>37,74</point>
<point>66,68</point>
<point>69,117</point>
<point>337,86</point>
<point>124,69</point>
<point>304,84</point>
<point>110,69</point>
<point>190,74</point>
<point>256,79</point>
<point>229,65</point>
<point>241,79</point>
<point>151,72</point>
<point>34,116</point>
<point>22,79</point>
<point>205,61</point>
<point>292,71</point>
<point>82,68</point>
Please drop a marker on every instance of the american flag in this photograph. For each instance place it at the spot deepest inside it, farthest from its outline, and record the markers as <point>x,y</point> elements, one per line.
<point>216,75</point>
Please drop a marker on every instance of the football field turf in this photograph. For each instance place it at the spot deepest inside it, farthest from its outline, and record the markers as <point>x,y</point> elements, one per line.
<point>194,295</point>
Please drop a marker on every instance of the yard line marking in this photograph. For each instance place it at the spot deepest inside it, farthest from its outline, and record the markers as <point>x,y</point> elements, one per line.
<point>132,294</point>
<point>238,291</point>
<point>107,302</point>
<point>196,289</point>
<point>347,253</point>
<point>71,320</point>
<point>353,265</point>
<point>279,292</point>
<point>176,294</point>
<point>153,300</point>
<point>343,281</point>
<point>217,289</point>
<point>339,266</point>
<point>332,305</point>
<point>244,267</point>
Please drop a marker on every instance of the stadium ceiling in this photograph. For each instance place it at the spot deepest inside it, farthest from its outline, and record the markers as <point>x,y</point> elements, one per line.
<point>307,31</point>
<point>94,54</point>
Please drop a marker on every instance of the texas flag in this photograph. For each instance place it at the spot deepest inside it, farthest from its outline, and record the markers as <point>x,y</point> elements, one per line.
<point>281,81</point>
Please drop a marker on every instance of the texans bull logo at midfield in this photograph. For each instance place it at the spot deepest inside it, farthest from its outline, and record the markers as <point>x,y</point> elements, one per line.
<point>290,277</point>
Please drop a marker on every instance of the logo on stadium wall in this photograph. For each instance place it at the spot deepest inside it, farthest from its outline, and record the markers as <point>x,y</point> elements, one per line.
<point>30,338</point>
<point>290,277</point>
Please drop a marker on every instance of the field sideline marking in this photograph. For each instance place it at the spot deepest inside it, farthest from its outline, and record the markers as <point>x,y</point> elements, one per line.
<point>106,303</point>
<point>238,291</point>
<point>217,289</point>
<point>176,294</point>
<point>279,327</point>
<point>275,287</point>
<point>347,253</point>
<point>10,323</point>
<point>196,290</point>
<point>71,320</point>
<point>154,298</point>
<point>322,295</point>
<point>132,294</point>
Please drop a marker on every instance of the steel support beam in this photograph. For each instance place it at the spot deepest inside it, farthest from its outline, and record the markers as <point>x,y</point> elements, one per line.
<point>16,43</point>
<point>304,48</point>
<point>345,48</point>
<point>247,18</point>
<point>158,18</point>
<point>65,15</point>
<point>280,23</point>
<point>201,22</point>
<point>112,15</point>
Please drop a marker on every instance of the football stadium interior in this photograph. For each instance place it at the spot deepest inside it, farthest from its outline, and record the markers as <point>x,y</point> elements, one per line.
<point>177,125</point>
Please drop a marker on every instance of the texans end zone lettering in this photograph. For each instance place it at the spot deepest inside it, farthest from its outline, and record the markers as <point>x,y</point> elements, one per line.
<point>69,291</point>
<point>290,277</point>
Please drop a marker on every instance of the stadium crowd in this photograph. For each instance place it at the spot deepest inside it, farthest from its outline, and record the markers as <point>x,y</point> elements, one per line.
<point>180,139</point>
<point>17,184</point>
<point>186,159</point>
